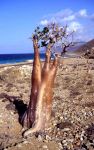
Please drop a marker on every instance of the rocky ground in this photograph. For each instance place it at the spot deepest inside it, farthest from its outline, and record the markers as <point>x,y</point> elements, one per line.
<point>72,123</point>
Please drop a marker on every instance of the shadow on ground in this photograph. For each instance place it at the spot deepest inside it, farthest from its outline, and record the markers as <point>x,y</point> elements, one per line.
<point>16,104</point>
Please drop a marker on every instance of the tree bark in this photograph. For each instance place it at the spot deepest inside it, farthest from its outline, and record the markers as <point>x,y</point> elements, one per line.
<point>38,112</point>
<point>29,116</point>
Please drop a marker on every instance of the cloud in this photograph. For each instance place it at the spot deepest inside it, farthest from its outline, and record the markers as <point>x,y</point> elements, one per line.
<point>58,17</point>
<point>83,13</point>
<point>75,26</point>
<point>44,22</point>
<point>64,16</point>
<point>76,20</point>
<point>69,18</point>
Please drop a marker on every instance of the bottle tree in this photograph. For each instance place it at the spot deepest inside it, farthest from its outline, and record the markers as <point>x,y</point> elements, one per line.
<point>38,113</point>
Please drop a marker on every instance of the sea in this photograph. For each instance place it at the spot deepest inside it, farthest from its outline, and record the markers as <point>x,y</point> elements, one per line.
<point>18,58</point>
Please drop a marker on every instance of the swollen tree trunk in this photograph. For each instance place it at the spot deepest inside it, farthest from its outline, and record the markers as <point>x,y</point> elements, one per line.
<point>38,113</point>
<point>29,116</point>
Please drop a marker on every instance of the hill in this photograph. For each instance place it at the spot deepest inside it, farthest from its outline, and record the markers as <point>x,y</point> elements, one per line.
<point>87,49</point>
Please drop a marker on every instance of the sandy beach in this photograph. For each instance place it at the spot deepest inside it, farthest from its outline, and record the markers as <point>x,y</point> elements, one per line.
<point>72,123</point>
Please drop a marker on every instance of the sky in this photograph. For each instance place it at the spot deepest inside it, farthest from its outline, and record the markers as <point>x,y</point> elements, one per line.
<point>19,18</point>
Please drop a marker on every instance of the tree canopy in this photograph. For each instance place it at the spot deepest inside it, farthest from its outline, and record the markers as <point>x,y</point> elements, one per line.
<point>53,35</point>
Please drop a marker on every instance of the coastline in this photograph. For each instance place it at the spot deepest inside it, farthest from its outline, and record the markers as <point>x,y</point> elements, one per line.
<point>16,64</point>
<point>28,62</point>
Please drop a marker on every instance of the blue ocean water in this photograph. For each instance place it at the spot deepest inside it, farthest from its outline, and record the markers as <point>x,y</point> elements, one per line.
<point>16,58</point>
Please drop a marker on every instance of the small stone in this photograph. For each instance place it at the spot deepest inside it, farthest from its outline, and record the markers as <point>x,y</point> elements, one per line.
<point>60,146</point>
<point>70,140</point>
<point>25,142</point>
<point>66,129</point>
<point>12,113</point>
<point>64,141</point>
<point>45,147</point>
<point>19,145</point>
<point>82,135</point>
<point>48,137</point>
<point>40,138</point>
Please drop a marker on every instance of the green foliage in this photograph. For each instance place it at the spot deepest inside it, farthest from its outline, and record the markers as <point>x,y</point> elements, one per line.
<point>52,34</point>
